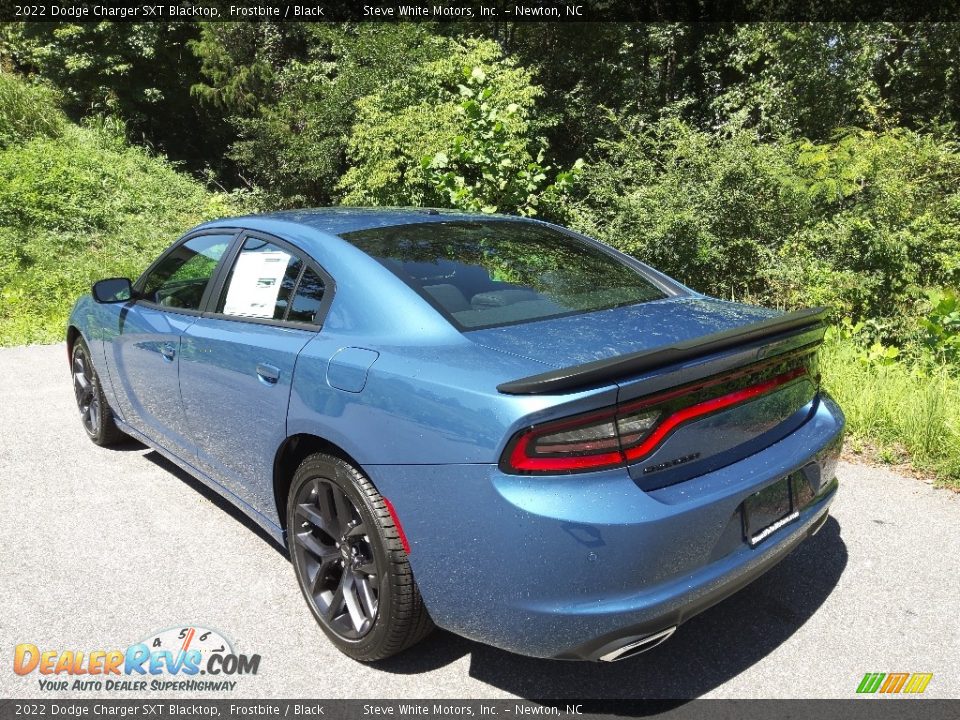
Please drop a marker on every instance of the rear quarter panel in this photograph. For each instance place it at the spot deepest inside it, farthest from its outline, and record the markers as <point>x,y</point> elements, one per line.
<point>431,404</point>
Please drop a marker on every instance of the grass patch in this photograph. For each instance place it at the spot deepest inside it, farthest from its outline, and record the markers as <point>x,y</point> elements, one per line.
<point>901,412</point>
<point>27,110</point>
<point>78,204</point>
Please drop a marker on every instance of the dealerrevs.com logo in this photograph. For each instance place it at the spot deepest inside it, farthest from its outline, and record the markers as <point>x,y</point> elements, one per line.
<point>189,658</point>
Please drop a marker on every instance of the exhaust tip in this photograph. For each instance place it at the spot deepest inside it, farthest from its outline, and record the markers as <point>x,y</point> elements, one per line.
<point>635,647</point>
<point>818,525</point>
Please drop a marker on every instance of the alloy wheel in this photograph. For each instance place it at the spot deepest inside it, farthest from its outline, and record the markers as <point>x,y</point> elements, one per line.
<point>335,559</point>
<point>84,387</point>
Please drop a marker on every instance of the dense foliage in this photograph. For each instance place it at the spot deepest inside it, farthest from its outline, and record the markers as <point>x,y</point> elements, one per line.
<point>139,72</point>
<point>862,223</point>
<point>77,204</point>
<point>787,164</point>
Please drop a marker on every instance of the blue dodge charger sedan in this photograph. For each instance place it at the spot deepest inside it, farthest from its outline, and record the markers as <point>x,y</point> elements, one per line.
<point>485,423</point>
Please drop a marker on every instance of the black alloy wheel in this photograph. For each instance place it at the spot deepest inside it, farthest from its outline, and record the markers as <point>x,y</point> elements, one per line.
<point>335,555</point>
<point>95,413</point>
<point>85,389</point>
<point>350,562</point>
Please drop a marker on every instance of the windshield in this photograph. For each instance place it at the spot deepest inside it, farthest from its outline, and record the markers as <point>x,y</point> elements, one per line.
<point>481,274</point>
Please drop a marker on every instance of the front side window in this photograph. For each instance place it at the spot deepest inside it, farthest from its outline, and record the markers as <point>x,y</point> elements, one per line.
<point>261,281</point>
<point>180,278</point>
<point>486,273</point>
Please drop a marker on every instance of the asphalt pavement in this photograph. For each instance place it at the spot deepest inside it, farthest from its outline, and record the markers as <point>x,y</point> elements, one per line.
<point>101,547</point>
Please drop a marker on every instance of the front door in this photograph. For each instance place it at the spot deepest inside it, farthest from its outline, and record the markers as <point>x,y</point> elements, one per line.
<point>146,349</point>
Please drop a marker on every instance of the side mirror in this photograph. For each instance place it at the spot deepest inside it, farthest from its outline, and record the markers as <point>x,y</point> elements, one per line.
<point>112,290</point>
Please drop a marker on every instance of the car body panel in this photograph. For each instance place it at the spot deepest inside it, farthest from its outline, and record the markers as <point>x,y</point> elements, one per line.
<point>577,339</point>
<point>424,395</point>
<point>145,355</point>
<point>548,565</point>
<point>629,558</point>
<point>236,417</point>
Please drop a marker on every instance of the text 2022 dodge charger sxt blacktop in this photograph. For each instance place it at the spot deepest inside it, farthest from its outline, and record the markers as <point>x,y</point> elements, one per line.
<point>486,423</point>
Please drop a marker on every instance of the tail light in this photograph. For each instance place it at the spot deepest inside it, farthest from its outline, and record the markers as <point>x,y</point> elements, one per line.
<point>622,434</point>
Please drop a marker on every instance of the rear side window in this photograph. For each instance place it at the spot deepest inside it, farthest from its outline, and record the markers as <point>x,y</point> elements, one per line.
<point>486,273</point>
<point>261,281</point>
<point>308,298</point>
<point>269,282</point>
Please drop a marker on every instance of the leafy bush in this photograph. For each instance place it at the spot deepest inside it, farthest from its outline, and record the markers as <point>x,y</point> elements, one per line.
<point>942,326</point>
<point>422,115</point>
<point>862,223</point>
<point>79,207</point>
<point>482,172</point>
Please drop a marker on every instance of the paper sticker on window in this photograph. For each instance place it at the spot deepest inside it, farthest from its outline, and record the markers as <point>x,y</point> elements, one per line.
<point>255,284</point>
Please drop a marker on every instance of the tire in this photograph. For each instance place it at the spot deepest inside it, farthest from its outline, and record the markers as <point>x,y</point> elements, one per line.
<point>95,413</point>
<point>350,562</point>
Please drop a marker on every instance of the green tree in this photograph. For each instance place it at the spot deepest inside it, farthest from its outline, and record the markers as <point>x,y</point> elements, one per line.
<point>424,113</point>
<point>139,72</point>
<point>488,169</point>
<point>291,94</point>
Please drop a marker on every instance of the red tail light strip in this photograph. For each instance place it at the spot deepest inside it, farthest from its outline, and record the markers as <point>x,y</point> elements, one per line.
<point>519,459</point>
<point>719,380</point>
<point>709,406</point>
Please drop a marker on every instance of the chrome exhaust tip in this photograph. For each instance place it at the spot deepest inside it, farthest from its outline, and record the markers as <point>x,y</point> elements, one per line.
<point>818,525</point>
<point>635,647</point>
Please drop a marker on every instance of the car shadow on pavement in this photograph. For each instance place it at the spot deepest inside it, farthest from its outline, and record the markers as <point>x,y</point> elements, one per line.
<point>215,498</point>
<point>705,652</point>
<point>126,444</point>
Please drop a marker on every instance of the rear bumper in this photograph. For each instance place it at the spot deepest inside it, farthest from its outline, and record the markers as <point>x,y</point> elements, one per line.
<point>685,602</point>
<point>573,566</point>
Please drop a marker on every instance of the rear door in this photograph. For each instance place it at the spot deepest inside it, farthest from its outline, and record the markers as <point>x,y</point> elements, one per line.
<point>237,362</point>
<point>146,348</point>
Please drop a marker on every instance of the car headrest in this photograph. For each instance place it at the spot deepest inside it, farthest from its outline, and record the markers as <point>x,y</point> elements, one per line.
<point>449,297</point>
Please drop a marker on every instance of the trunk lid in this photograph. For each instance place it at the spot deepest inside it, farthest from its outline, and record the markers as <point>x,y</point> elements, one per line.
<point>723,380</point>
<point>576,339</point>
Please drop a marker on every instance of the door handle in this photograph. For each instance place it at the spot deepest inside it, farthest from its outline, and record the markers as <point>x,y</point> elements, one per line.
<point>168,352</point>
<point>268,374</point>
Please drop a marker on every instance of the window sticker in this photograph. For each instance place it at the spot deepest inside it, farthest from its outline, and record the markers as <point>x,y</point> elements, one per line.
<point>255,284</point>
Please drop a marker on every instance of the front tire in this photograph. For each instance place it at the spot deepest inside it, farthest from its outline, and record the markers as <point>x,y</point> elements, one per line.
<point>350,562</point>
<point>95,413</point>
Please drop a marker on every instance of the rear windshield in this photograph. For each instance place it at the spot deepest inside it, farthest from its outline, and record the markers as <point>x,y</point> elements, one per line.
<point>482,274</point>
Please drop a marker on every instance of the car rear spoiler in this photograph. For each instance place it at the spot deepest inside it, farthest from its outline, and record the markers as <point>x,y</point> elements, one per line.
<point>604,371</point>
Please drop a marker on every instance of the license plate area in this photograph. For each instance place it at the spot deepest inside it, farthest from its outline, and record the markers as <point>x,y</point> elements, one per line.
<point>768,510</point>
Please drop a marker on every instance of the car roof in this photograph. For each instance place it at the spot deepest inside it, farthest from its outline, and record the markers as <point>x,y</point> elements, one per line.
<point>342,220</point>
<point>320,231</point>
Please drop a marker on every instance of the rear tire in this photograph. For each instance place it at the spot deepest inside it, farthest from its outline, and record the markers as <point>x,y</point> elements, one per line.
<point>350,562</point>
<point>95,413</point>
